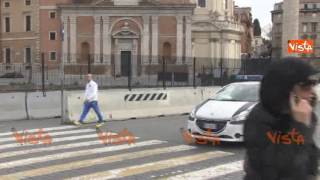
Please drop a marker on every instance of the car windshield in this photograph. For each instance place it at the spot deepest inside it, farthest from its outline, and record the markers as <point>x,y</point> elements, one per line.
<point>238,92</point>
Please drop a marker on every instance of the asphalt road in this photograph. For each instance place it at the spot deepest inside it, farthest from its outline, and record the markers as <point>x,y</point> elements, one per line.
<point>159,152</point>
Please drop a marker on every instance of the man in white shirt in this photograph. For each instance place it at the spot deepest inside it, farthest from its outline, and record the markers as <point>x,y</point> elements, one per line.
<point>91,101</point>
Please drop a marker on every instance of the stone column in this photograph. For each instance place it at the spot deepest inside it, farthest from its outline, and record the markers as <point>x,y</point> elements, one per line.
<point>238,54</point>
<point>179,39</point>
<point>290,26</point>
<point>106,40</point>
<point>145,40</point>
<point>73,38</point>
<point>213,51</point>
<point>134,65</point>
<point>97,39</point>
<point>65,44</point>
<point>233,46</point>
<point>239,49</point>
<point>235,53</point>
<point>226,52</point>
<point>117,61</point>
<point>218,50</point>
<point>222,50</point>
<point>217,53</point>
<point>188,40</point>
<point>155,39</point>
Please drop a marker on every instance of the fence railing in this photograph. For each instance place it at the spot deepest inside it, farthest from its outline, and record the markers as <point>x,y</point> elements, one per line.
<point>127,72</point>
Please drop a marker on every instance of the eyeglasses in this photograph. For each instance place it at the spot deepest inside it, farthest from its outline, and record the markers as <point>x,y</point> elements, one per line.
<point>308,83</point>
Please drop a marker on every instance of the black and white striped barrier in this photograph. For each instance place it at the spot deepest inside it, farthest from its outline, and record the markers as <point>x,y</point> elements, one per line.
<point>146,97</point>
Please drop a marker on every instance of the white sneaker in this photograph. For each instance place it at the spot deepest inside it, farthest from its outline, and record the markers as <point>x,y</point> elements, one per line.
<point>99,124</point>
<point>77,123</point>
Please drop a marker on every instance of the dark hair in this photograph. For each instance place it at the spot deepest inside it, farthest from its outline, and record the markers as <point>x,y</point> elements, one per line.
<point>279,81</point>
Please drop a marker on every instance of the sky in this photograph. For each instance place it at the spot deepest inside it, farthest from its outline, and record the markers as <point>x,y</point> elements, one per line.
<point>260,9</point>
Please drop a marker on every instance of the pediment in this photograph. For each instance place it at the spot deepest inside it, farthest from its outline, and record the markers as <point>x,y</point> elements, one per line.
<point>125,33</point>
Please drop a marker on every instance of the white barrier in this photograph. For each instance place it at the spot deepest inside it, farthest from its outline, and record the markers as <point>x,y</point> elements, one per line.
<point>40,106</point>
<point>140,103</point>
<point>115,104</point>
<point>12,106</point>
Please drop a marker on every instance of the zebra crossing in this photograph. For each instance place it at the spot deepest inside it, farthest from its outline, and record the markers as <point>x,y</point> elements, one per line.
<point>77,153</point>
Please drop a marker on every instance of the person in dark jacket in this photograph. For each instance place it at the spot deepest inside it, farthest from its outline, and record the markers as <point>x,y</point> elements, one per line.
<point>278,131</point>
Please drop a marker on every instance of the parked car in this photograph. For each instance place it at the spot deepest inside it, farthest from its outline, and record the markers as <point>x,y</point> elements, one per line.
<point>12,75</point>
<point>224,114</point>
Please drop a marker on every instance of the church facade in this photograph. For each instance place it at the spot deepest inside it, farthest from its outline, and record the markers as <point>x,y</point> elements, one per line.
<point>135,36</point>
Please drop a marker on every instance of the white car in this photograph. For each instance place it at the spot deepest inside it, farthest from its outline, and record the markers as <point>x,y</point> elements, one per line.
<point>224,114</point>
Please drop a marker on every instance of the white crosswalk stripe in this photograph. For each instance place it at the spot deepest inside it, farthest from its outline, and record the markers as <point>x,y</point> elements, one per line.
<point>65,154</point>
<point>49,148</point>
<point>52,134</point>
<point>54,140</point>
<point>45,129</point>
<point>212,172</point>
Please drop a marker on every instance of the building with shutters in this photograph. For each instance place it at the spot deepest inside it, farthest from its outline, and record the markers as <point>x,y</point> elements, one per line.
<point>19,39</point>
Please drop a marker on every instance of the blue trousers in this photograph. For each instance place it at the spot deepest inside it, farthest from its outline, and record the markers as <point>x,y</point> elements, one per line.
<point>86,108</point>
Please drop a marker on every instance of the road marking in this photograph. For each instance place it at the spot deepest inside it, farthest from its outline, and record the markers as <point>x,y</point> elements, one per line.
<point>52,148</point>
<point>54,140</point>
<point>28,161</point>
<point>51,134</point>
<point>49,148</point>
<point>212,172</point>
<point>45,129</point>
<point>100,160</point>
<point>154,166</point>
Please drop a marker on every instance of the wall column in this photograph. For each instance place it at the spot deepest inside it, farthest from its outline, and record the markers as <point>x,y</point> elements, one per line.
<point>155,40</point>
<point>188,40</point>
<point>213,51</point>
<point>97,39</point>
<point>73,39</point>
<point>117,61</point>
<point>106,40</point>
<point>179,39</point>
<point>65,44</point>
<point>145,41</point>
<point>134,60</point>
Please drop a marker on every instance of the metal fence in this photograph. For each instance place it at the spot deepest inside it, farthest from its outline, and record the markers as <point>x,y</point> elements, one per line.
<point>158,72</point>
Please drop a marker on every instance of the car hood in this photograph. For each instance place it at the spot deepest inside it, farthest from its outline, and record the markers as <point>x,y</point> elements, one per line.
<point>220,110</point>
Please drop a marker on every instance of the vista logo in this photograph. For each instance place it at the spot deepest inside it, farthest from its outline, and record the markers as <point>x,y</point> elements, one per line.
<point>300,46</point>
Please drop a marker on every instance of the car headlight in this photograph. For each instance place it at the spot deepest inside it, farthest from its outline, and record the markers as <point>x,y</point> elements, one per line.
<point>192,115</point>
<point>241,117</point>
